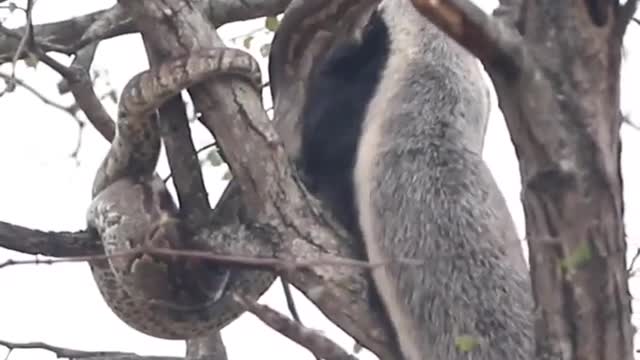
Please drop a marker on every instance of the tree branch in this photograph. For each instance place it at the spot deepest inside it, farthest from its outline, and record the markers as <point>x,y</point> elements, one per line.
<point>182,156</point>
<point>320,346</point>
<point>208,347</point>
<point>233,111</point>
<point>68,36</point>
<point>192,195</point>
<point>48,243</point>
<point>80,354</point>
<point>497,45</point>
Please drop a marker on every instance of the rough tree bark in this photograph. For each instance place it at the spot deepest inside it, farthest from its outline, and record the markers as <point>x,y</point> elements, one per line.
<point>560,56</point>
<point>557,77</point>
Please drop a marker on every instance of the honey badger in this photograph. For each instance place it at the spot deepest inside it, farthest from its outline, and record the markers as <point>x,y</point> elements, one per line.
<point>392,137</point>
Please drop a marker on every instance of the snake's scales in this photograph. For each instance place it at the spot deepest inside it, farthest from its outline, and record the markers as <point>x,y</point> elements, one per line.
<point>132,207</point>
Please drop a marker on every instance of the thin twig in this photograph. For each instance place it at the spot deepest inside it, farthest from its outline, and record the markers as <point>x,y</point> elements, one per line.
<point>71,110</point>
<point>269,263</point>
<point>25,38</point>
<point>291,305</point>
<point>632,272</point>
<point>78,354</point>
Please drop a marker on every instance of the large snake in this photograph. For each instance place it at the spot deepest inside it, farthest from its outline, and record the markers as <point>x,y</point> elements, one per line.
<point>132,208</point>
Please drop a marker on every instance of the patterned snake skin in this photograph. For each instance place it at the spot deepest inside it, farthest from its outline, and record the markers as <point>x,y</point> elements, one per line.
<point>131,207</point>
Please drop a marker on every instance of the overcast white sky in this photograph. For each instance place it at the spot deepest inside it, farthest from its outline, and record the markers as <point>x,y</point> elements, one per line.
<point>42,187</point>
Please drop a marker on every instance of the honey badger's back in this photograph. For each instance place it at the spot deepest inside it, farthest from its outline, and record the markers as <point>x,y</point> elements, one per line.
<point>424,192</point>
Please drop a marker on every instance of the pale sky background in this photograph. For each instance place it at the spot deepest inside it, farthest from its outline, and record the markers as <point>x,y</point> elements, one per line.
<point>43,188</point>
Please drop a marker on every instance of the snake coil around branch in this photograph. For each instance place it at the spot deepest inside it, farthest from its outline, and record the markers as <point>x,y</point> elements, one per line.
<point>132,208</point>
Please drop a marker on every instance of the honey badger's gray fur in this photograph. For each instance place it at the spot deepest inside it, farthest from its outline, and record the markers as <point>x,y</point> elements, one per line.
<point>422,191</point>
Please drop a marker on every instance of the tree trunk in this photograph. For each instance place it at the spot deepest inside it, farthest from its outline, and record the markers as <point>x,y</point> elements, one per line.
<point>558,80</point>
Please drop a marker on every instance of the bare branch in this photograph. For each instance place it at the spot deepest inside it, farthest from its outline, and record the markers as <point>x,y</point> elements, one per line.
<point>83,60</point>
<point>80,354</point>
<point>81,87</point>
<point>26,36</point>
<point>181,154</point>
<point>69,110</point>
<point>192,195</point>
<point>220,257</point>
<point>291,305</point>
<point>48,243</point>
<point>206,347</point>
<point>319,345</point>
<point>631,268</point>
<point>69,36</point>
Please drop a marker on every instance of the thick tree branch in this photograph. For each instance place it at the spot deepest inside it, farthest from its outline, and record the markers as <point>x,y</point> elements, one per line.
<point>192,195</point>
<point>181,154</point>
<point>83,60</point>
<point>497,45</point>
<point>48,243</point>
<point>208,347</point>
<point>233,111</point>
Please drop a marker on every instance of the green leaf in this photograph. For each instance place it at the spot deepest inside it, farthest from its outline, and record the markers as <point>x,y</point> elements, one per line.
<point>466,343</point>
<point>272,23</point>
<point>580,256</point>
<point>247,42</point>
<point>264,49</point>
<point>214,158</point>
<point>31,61</point>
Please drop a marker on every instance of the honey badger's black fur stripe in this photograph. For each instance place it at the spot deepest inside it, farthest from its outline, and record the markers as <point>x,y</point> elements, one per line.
<point>393,131</point>
<point>338,94</point>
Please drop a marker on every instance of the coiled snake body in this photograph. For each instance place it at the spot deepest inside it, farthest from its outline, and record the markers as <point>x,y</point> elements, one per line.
<point>132,207</point>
